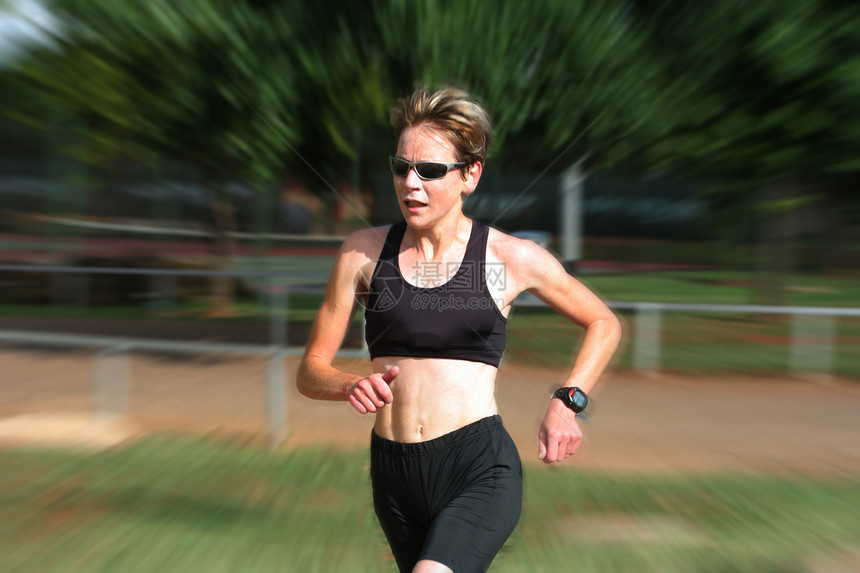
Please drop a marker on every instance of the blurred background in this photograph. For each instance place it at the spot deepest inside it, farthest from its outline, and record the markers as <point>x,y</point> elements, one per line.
<point>176,178</point>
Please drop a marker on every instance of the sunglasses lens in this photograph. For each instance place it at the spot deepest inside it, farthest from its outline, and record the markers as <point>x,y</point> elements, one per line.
<point>431,170</point>
<point>399,167</point>
<point>427,170</point>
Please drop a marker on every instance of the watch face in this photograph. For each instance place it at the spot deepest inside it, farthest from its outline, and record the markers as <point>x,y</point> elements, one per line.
<point>578,399</point>
<point>574,398</point>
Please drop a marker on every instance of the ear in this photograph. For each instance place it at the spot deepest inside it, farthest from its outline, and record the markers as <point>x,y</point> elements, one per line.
<point>473,175</point>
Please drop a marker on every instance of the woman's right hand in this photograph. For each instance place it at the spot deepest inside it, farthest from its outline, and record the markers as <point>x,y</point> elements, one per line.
<point>372,393</point>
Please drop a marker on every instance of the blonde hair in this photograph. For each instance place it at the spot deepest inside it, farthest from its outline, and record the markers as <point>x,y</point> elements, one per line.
<point>451,112</point>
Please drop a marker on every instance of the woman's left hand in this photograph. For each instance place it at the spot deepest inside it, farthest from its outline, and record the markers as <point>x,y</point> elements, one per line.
<point>560,435</point>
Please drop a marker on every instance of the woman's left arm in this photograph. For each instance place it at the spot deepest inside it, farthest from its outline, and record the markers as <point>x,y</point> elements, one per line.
<point>539,272</point>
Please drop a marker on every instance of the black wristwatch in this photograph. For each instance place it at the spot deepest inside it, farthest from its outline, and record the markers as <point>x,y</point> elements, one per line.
<point>573,398</point>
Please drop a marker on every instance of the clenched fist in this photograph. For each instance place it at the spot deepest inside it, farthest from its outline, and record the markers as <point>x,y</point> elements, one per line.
<point>372,393</point>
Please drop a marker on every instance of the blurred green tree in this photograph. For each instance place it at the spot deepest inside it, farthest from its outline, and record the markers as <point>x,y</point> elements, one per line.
<point>242,89</point>
<point>760,96</point>
<point>556,75</point>
<point>177,81</point>
<point>763,98</point>
<point>566,82</point>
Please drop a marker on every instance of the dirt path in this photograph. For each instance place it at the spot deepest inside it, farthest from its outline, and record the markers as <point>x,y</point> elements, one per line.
<point>671,423</point>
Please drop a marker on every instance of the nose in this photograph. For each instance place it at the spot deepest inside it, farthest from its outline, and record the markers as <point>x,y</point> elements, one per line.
<point>412,179</point>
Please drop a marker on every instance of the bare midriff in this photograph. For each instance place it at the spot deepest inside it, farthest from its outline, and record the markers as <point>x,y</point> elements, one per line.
<point>433,397</point>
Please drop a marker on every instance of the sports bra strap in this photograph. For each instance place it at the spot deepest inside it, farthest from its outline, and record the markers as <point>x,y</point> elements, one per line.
<point>391,246</point>
<point>393,240</point>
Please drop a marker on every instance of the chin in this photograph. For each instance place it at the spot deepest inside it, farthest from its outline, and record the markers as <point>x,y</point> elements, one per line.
<point>417,220</point>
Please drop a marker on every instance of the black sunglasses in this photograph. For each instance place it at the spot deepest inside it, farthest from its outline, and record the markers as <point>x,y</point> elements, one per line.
<point>426,170</point>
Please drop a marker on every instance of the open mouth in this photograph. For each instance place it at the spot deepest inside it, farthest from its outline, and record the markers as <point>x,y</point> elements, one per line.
<point>414,204</point>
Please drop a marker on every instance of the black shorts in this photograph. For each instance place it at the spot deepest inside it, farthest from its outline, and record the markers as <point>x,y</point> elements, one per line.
<point>454,499</point>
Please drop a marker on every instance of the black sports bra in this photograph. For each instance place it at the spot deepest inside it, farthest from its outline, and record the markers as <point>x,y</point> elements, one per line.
<point>458,319</point>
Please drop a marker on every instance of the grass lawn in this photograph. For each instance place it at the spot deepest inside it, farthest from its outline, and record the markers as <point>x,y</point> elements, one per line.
<point>180,504</point>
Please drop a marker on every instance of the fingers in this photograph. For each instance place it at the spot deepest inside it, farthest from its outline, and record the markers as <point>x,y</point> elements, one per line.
<point>542,446</point>
<point>558,439</point>
<point>380,386</point>
<point>372,393</point>
<point>557,450</point>
<point>356,403</point>
<point>574,445</point>
<point>391,374</point>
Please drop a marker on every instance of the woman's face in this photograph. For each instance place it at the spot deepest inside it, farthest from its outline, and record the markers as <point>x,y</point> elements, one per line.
<point>425,203</point>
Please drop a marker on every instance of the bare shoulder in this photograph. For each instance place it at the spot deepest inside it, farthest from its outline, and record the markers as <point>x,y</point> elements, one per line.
<point>364,245</point>
<point>526,264</point>
<point>505,248</point>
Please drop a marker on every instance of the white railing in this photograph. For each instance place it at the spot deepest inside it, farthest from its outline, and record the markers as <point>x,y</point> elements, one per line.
<point>812,347</point>
<point>812,331</point>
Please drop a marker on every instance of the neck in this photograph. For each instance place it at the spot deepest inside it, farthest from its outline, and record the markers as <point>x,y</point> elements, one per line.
<point>432,243</point>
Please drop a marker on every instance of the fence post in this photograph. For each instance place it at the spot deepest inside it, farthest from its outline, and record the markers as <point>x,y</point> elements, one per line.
<point>163,293</point>
<point>276,393</point>
<point>646,343</point>
<point>276,396</point>
<point>278,295</point>
<point>111,382</point>
<point>812,344</point>
<point>571,212</point>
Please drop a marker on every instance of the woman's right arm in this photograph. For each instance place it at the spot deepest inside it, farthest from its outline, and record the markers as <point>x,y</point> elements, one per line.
<point>317,378</point>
